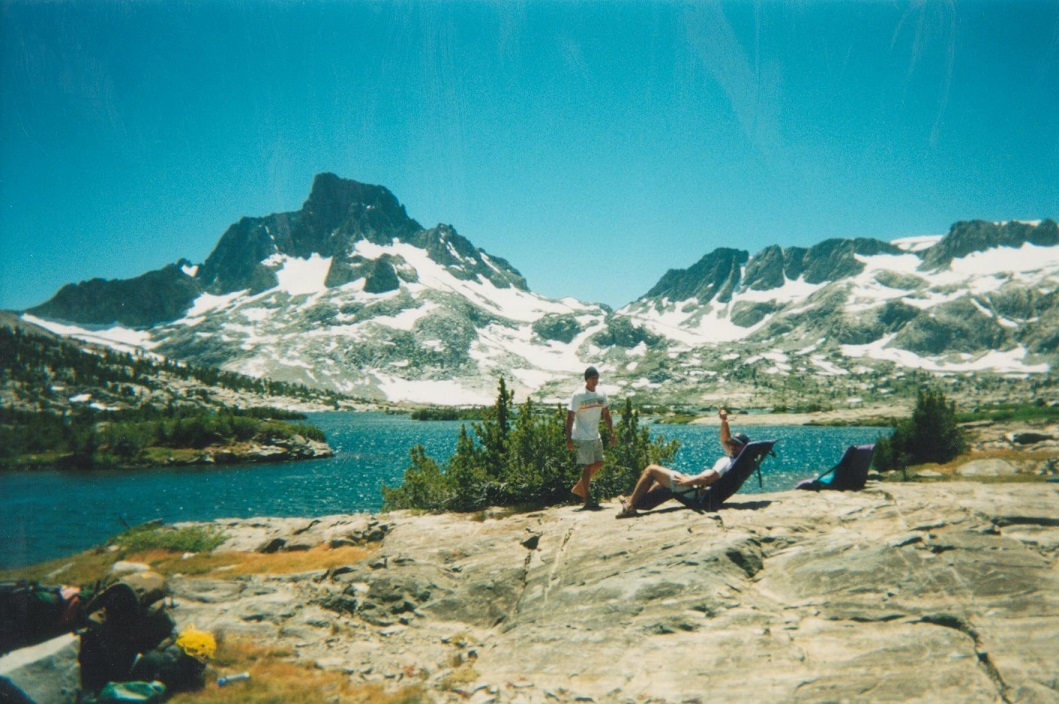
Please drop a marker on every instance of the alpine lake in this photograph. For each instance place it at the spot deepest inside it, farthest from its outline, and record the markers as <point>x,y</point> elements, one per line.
<point>49,514</point>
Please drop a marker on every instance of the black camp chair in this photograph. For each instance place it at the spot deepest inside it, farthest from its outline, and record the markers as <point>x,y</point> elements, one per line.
<point>711,497</point>
<point>848,475</point>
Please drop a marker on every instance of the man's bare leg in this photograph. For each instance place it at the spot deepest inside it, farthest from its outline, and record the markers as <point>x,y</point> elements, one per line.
<point>653,475</point>
<point>587,472</point>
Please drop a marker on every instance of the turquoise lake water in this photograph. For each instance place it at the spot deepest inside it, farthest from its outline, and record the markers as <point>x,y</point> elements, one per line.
<point>49,514</point>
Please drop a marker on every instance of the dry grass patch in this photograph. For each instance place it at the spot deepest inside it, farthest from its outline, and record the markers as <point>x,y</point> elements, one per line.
<point>243,563</point>
<point>950,470</point>
<point>1011,455</point>
<point>87,568</point>
<point>81,569</point>
<point>461,677</point>
<point>275,679</point>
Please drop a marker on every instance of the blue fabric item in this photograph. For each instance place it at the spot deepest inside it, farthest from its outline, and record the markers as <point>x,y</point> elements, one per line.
<point>849,474</point>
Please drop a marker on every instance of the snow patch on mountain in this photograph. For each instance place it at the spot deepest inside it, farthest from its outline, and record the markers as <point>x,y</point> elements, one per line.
<point>898,263</point>
<point>504,349</point>
<point>510,302</point>
<point>687,322</point>
<point>826,367</point>
<point>406,319</point>
<point>435,392</point>
<point>917,243</point>
<point>300,276</point>
<point>208,302</point>
<point>792,290</point>
<point>116,337</point>
<point>1006,261</point>
<point>1003,362</point>
<point>868,291</point>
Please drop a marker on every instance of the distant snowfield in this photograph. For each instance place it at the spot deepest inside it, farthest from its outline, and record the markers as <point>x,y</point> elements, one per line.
<point>792,290</point>
<point>439,393</point>
<point>1007,362</point>
<point>406,319</point>
<point>116,337</point>
<point>1003,261</point>
<point>686,323</point>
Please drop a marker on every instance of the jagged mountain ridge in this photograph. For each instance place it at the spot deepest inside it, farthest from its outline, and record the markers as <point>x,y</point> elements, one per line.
<point>348,293</point>
<point>351,293</point>
<point>338,214</point>
<point>858,291</point>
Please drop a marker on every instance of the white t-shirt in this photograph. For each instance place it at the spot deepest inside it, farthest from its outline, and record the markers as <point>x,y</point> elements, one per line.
<point>720,466</point>
<point>587,406</point>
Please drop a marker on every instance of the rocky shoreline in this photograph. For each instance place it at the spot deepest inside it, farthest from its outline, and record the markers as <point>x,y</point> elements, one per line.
<point>942,590</point>
<point>902,592</point>
<point>286,450</point>
<point>292,449</point>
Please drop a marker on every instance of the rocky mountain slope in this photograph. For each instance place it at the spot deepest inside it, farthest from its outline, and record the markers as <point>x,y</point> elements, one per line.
<point>350,293</point>
<point>44,372</point>
<point>73,404</point>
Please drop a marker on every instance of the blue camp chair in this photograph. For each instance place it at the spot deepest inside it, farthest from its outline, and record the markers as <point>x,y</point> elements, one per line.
<point>711,497</point>
<point>848,475</point>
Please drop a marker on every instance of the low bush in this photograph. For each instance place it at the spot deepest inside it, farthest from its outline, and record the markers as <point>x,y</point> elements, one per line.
<point>152,536</point>
<point>930,435</point>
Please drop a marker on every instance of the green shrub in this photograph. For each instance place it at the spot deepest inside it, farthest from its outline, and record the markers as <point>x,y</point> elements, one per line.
<point>518,458</point>
<point>152,536</point>
<point>310,432</point>
<point>424,485</point>
<point>1021,413</point>
<point>634,450</point>
<point>930,435</point>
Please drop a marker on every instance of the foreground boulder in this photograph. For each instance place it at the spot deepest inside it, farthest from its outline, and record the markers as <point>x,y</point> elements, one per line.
<point>46,673</point>
<point>901,592</point>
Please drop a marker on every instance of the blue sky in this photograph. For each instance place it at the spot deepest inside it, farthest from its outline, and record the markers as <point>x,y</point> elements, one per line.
<point>593,145</point>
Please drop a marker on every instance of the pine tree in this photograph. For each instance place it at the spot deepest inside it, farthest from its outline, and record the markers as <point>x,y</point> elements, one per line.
<point>493,433</point>
<point>930,435</point>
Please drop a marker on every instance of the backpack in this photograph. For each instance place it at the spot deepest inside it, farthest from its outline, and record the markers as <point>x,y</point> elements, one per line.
<point>32,613</point>
<point>170,665</point>
<point>126,617</point>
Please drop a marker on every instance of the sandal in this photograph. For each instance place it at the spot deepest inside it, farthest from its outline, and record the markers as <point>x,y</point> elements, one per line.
<point>626,511</point>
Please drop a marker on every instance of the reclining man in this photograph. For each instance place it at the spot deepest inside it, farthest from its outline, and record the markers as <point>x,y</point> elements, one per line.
<point>656,476</point>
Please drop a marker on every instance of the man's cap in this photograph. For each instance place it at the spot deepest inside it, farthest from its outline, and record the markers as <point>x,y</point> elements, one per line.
<point>591,372</point>
<point>741,438</point>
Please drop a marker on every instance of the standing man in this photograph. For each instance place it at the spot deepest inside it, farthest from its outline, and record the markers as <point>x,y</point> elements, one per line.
<point>582,431</point>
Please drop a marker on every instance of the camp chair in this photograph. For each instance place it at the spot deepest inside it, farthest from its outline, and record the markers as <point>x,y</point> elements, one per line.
<point>848,475</point>
<point>711,497</point>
